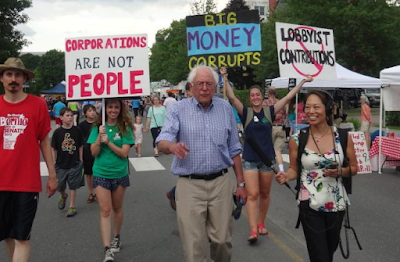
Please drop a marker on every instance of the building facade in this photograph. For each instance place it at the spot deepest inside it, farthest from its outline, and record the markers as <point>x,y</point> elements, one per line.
<point>263,6</point>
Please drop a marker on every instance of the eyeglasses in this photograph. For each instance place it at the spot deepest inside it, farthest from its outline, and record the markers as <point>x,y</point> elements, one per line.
<point>201,84</point>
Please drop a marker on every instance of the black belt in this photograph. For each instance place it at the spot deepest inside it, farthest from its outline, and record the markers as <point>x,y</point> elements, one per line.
<point>277,125</point>
<point>207,176</point>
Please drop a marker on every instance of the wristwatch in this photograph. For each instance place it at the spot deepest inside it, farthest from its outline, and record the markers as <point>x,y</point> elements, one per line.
<point>243,184</point>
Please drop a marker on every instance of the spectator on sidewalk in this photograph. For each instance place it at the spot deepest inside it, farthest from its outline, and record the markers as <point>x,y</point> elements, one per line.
<point>169,101</point>
<point>366,119</point>
<point>346,125</point>
<point>56,111</point>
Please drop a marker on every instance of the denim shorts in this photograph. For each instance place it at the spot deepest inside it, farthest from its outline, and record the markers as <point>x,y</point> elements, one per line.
<point>111,184</point>
<point>251,165</point>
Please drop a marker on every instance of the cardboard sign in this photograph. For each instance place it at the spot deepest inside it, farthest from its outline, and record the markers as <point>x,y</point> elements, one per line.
<point>304,50</point>
<point>362,154</point>
<point>107,67</point>
<point>224,39</point>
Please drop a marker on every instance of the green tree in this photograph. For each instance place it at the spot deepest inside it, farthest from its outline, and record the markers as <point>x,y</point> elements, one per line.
<point>51,70</point>
<point>235,5</point>
<point>169,59</point>
<point>31,62</point>
<point>367,32</point>
<point>11,39</point>
<point>201,7</point>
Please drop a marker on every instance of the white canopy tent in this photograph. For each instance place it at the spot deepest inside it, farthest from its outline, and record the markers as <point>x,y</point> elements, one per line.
<point>390,94</point>
<point>345,79</point>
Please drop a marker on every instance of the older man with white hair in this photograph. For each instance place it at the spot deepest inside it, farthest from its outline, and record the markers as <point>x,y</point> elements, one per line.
<point>201,133</point>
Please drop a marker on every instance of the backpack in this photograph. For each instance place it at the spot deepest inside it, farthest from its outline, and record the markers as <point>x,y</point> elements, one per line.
<point>249,118</point>
<point>250,114</point>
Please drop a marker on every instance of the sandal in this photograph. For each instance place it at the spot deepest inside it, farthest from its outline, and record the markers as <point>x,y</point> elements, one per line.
<point>260,228</point>
<point>91,198</point>
<point>253,237</point>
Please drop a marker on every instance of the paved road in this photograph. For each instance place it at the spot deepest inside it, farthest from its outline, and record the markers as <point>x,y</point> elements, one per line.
<point>150,230</point>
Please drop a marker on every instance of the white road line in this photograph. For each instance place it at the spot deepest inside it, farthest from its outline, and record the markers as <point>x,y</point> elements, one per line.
<point>285,158</point>
<point>43,169</point>
<point>146,164</point>
<point>140,164</point>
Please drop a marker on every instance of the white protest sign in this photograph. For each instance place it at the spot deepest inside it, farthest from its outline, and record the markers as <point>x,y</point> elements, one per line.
<point>362,154</point>
<point>107,67</point>
<point>304,50</point>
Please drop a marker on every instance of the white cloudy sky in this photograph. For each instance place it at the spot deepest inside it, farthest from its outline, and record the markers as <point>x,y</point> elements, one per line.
<point>51,21</point>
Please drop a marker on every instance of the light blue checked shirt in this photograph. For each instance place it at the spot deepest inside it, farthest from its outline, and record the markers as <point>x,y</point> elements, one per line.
<point>211,136</point>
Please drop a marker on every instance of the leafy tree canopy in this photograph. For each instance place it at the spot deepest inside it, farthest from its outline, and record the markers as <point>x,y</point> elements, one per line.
<point>235,5</point>
<point>11,40</point>
<point>169,58</point>
<point>51,69</point>
<point>201,7</point>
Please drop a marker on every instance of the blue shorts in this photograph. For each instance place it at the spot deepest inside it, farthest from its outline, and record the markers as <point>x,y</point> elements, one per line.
<point>251,165</point>
<point>111,184</point>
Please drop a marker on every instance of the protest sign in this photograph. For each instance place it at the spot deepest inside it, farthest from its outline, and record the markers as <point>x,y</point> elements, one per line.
<point>362,154</point>
<point>107,67</point>
<point>304,50</point>
<point>224,39</point>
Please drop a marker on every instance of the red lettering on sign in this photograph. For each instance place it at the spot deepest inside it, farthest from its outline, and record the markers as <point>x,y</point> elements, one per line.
<point>84,85</point>
<point>111,79</point>
<point>72,81</point>
<point>121,90</point>
<point>133,81</point>
<point>98,84</point>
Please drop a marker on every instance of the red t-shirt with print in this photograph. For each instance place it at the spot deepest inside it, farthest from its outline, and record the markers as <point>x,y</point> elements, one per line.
<point>22,126</point>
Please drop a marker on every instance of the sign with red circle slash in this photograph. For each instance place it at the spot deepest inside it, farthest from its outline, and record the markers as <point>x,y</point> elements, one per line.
<point>305,50</point>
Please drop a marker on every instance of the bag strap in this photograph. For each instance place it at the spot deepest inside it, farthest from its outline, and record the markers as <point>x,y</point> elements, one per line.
<point>303,138</point>
<point>250,114</point>
<point>267,113</point>
<point>249,117</point>
<point>152,110</point>
<point>347,181</point>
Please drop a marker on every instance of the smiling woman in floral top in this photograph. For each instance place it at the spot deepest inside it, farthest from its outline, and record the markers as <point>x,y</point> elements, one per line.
<point>322,197</point>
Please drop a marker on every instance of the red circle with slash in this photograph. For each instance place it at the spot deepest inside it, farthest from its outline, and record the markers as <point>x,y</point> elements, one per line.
<point>318,66</point>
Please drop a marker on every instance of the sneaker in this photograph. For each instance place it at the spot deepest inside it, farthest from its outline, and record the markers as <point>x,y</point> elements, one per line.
<point>61,202</point>
<point>108,255</point>
<point>71,212</point>
<point>116,244</point>
<point>91,198</point>
<point>171,200</point>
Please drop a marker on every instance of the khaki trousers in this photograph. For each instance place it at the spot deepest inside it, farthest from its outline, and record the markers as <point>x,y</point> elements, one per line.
<point>278,138</point>
<point>204,209</point>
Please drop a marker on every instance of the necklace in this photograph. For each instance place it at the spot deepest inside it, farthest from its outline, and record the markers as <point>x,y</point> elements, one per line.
<point>317,138</point>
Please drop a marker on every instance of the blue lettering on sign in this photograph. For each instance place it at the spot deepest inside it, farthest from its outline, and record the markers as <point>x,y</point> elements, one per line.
<point>223,39</point>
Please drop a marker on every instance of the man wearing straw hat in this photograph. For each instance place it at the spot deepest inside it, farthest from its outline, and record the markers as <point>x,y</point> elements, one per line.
<point>24,128</point>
